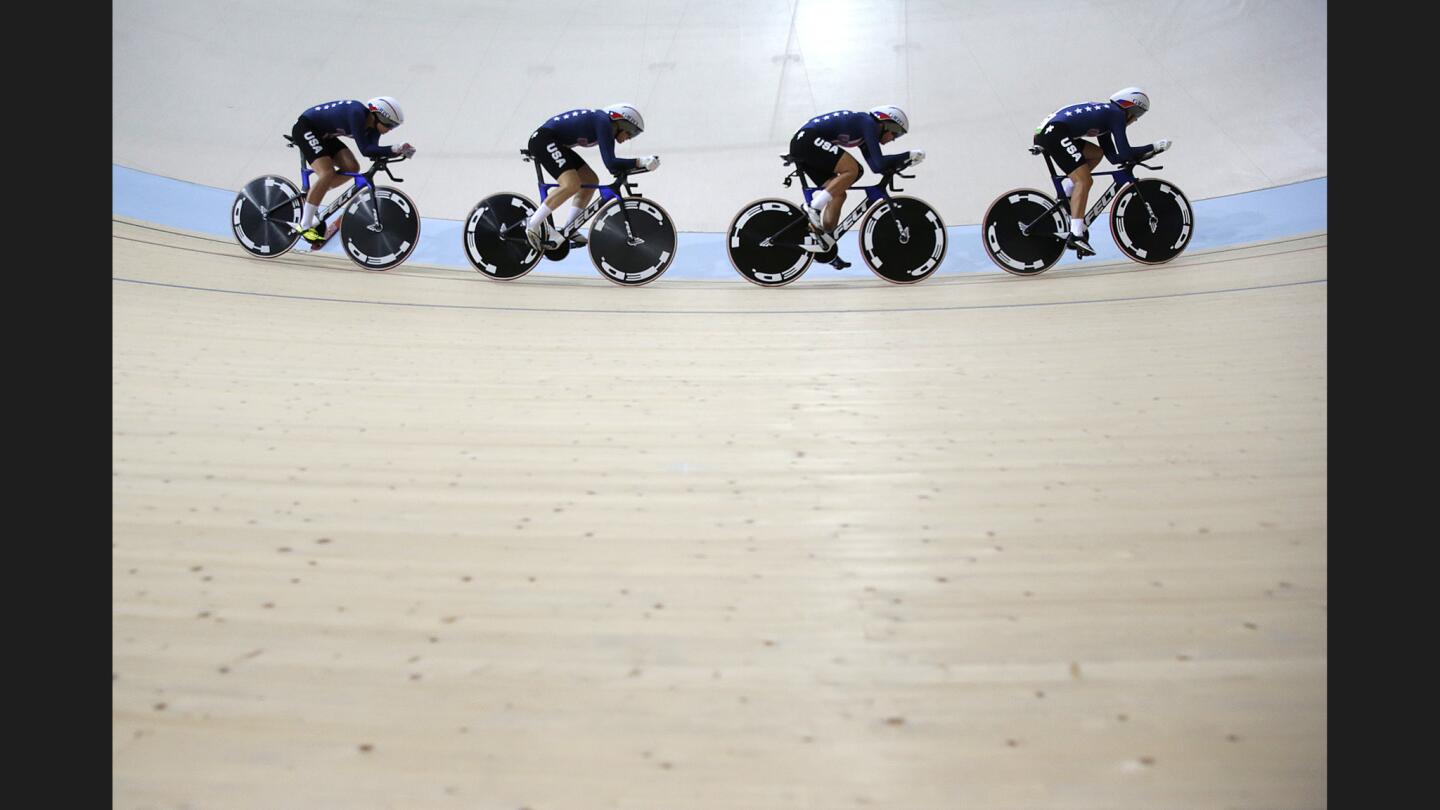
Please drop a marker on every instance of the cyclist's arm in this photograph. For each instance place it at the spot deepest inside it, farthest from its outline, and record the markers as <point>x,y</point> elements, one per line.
<point>605,139</point>
<point>885,162</point>
<point>1117,147</point>
<point>368,142</point>
<point>876,159</point>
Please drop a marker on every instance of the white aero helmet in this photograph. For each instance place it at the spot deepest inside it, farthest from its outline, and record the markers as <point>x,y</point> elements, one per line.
<point>1132,99</point>
<point>627,117</point>
<point>892,118</point>
<point>387,109</point>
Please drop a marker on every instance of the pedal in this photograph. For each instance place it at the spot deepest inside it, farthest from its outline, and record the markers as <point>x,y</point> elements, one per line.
<point>839,263</point>
<point>331,229</point>
<point>817,243</point>
<point>555,249</point>
<point>551,239</point>
<point>815,218</point>
<point>1080,252</point>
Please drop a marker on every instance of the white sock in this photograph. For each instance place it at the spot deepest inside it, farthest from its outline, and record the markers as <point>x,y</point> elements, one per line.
<point>820,199</point>
<point>1077,227</point>
<point>308,218</point>
<point>571,214</point>
<point>1068,186</point>
<point>539,216</point>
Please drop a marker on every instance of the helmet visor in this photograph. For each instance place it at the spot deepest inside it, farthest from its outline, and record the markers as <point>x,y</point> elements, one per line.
<point>1130,107</point>
<point>624,124</point>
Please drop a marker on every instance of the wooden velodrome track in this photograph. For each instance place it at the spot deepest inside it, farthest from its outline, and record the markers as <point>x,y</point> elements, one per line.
<point>417,539</point>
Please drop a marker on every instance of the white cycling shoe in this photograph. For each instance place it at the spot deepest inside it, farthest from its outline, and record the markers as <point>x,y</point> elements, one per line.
<point>812,214</point>
<point>544,237</point>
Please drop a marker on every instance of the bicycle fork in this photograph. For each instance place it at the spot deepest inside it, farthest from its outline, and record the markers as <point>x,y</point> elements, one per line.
<point>630,237</point>
<point>372,201</point>
<point>904,232</point>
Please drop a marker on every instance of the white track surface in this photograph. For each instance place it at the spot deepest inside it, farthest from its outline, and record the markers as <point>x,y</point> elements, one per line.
<point>420,539</point>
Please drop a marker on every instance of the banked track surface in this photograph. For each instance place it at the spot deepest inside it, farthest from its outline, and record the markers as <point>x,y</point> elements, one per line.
<point>419,539</point>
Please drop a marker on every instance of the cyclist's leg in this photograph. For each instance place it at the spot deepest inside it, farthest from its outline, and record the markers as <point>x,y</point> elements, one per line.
<point>847,171</point>
<point>345,161</point>
<point>319,155</point>
<point>561,163</point>
<point>327,178</point>
<point>581,197</point>
<point>1083,180</point>
<point>818,157</point>
<point>1072,156</point>
<point>569,183</point>
<point>337,158</point>
<point>324,168</point>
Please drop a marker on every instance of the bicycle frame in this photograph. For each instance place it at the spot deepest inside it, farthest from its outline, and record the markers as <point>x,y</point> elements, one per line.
<point>1120,177</point>
<point>362,182</point>
<point>607,193</point>
<point>873,194</point>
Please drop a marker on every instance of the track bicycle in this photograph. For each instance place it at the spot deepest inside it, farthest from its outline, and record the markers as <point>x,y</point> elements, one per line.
<point>632,241</point>
<point>379,227</point>
<point>1024,230</point>
<point>902,239</point>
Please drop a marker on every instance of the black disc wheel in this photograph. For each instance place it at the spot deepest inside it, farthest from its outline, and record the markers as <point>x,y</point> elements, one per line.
<point>380,229</point>
<point>494,237</point>
<point>1152,221</point>
<point>632,241</point>
<point>902,240</point>
<point>1033,250</point>
<point>266,216</point>
<point>763,242</point>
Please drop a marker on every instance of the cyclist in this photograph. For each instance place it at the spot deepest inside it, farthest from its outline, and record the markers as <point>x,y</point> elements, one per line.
<point>552,144</point>
<point>1058,134</point>
<point>318,132</point>
<point>815,148</point>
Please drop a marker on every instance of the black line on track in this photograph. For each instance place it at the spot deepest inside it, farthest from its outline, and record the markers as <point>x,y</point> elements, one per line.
<point>723,311</point>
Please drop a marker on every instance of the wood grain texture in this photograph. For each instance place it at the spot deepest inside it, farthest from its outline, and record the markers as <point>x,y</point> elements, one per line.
<point>417,539</point>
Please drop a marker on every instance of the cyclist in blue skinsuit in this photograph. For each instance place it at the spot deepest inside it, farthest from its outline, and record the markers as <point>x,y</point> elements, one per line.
<point>815,148</point>
<point>318,131</point>
<point>1060,130</point>
<point>552,145</point>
